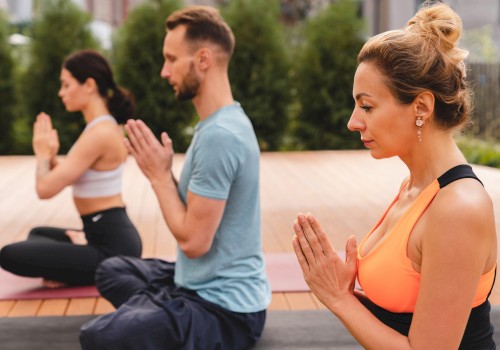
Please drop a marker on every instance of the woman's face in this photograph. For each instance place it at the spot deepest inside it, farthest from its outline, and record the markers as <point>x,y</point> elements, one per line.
<point>73,94</point>
<point>387,127</point>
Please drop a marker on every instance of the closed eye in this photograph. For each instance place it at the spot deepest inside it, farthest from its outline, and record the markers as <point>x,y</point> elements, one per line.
<point>366,108</point>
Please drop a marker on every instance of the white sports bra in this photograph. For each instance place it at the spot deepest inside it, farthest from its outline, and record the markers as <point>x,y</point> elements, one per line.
<point>94,183</point>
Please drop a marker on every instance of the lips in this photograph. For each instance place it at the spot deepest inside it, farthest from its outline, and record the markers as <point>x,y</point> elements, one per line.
<point>366,142</point>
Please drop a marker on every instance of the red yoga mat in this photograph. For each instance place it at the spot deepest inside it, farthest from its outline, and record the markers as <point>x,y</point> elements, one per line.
<point>16,287</point>
<point>283,271</point>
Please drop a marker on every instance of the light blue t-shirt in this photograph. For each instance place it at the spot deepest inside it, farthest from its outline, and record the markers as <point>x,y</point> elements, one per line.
<point>222,162</point>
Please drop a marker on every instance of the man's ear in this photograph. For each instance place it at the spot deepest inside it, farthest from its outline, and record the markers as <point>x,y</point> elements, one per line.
<point>424,105</point>
<point>204,58</point>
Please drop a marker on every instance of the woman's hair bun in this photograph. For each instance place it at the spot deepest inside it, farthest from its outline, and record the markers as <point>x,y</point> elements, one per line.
<point>437,21</point>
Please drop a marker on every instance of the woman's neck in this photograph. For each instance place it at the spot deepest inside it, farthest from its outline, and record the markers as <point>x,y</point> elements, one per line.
<point>95,109</point>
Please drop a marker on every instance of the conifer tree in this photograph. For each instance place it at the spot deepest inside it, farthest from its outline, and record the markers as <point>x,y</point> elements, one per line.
<point>325,73</point>
<point>259,68</point>
<point>138,60</point>
<point>7,89</point>
<point>61,29</point>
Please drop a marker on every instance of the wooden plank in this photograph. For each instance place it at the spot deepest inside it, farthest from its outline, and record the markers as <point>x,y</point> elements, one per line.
<point>5,307</point>
<point>81,306</point>
<point>25,308</point>
<point>279,302</point>
<point>300,301</point>
<point>103,307</point>
<point>53,307</point>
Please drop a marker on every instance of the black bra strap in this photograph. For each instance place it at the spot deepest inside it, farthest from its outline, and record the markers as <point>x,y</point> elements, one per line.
<point>456,173</point>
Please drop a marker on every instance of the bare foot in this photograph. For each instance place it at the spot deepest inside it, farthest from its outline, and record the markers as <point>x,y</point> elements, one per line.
<point>53,284</point>
<point>77,237</point>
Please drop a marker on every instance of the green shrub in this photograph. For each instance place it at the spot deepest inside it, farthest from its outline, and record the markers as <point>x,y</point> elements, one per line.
<point>138,59</point>
<point>480,152</point>
<point>325,73</point>
<point>259,68</point>
<point>7,89</point>
<point>61,29</point>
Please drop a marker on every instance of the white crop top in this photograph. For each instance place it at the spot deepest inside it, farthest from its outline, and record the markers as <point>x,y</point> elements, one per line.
<point>94,183</point>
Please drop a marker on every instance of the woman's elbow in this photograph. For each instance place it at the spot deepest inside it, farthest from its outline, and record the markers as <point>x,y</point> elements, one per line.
<point>43,193</point>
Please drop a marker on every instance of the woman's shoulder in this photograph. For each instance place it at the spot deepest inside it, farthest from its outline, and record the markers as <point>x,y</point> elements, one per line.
<point>463,205</point>
<point>102,138</point>
<point>467,194</point>
<point>102,133</point>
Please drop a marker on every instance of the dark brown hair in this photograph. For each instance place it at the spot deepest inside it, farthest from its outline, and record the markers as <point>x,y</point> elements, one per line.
<point>86,64</point>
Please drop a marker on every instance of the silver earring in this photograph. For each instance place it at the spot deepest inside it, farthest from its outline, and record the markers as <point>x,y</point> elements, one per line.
<point>420,124</point>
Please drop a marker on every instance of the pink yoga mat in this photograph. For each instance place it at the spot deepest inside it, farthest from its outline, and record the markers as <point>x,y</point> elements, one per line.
<point>282,269</point>
<point>284,273</point>
<point>16,287</point>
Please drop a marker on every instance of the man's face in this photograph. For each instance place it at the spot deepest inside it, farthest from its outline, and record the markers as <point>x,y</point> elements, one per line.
<point>179,68</point>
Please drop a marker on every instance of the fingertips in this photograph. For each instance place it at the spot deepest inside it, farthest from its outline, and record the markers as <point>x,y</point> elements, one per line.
<point>351,249</point>
<point>313,222</point>
<point>296,227</point>
<point>167,141</point>
<point>352,243</point>
<point>301,218</point>
<point>129,125</point>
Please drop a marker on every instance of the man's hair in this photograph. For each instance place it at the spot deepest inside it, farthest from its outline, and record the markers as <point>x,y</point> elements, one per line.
<point>203,24</point>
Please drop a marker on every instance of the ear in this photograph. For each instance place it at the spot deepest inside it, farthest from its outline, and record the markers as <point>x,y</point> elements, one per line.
<point>424,105</point>
<point>204,58</point>
<point>90,85</point>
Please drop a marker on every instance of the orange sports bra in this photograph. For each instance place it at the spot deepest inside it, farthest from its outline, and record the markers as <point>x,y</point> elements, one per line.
<point>386,273</point>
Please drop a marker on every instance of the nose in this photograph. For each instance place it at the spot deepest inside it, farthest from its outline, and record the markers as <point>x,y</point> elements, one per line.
<point>165,72</point>
<point>60,93</point>
<point>356,122</point>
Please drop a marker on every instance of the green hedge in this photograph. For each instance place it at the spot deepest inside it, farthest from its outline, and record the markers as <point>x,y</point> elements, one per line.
<point>480,152</point>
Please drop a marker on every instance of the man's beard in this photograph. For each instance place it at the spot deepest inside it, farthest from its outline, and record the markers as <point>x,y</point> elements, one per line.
<point>190,85</point>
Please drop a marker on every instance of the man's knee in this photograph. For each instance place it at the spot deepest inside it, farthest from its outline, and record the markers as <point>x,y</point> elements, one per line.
<point>91,337</point>
<point>108,273</point>
<point>109,267</point>
<point>117,280</point>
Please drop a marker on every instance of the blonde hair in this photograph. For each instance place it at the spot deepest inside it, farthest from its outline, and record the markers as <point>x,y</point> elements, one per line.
<point>424,56</point>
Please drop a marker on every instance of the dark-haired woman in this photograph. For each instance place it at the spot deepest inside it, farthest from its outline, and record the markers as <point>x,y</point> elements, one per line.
<point>93,167</point>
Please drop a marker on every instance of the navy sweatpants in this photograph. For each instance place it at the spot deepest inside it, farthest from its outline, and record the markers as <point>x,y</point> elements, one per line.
<point>152,313</point>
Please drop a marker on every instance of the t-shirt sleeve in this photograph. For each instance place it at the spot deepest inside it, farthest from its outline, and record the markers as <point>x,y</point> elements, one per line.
<point>215,164</point>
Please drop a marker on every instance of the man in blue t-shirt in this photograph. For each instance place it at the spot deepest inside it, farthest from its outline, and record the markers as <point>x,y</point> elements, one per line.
<point>215,295</point>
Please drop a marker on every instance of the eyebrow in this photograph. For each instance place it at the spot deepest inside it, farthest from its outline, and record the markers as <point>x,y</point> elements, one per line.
<point>361,94</point>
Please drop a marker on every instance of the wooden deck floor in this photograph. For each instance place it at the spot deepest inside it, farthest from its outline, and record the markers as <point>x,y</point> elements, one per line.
<point>346,190</point>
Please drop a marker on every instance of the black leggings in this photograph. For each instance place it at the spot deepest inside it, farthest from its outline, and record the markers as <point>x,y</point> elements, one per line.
<point>49,253</point>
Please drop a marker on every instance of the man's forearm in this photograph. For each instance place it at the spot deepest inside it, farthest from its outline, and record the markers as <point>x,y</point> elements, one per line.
<point>172,207</point>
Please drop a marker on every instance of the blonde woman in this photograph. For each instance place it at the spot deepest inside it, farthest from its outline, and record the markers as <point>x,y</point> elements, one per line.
<point>427,267</point>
